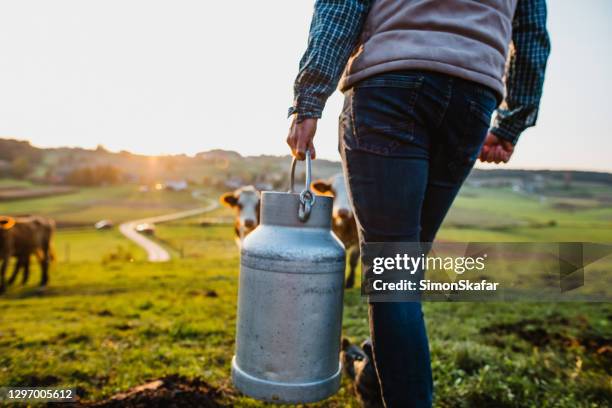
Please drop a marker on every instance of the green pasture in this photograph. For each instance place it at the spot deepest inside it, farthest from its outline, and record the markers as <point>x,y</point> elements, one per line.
<point>89,205</point>
<point>498,208</point>
<point>14,183</point>
<point>89,245</point>
<point>110,320</point>
<point>501,215</point>
<point>105,326</point>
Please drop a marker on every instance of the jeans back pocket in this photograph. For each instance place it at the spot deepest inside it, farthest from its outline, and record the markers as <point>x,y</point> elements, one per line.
<point>383,113</point>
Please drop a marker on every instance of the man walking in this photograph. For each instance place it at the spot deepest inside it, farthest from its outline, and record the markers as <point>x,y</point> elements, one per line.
<point>421,79</point>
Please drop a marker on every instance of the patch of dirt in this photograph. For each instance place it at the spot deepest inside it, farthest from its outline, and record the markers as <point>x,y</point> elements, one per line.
<point>124,326</point>
<point>73,339</point>
<point>173,391</point>
<point>206,293</point>
<point>211,293</point>
<point>105,313</point>
<point>530,330</point>
<point>39,381</point>
<point>535,332</point>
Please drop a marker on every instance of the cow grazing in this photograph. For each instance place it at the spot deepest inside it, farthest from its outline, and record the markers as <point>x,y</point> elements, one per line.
<point>245,201</point>
<point>343,225</point>
<point>23,237</point>
<point>358,365</point>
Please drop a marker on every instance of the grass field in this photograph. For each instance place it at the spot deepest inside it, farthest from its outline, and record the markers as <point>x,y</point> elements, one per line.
<point>505,216</point>
<point>89,205</point>
<point>110,321</point>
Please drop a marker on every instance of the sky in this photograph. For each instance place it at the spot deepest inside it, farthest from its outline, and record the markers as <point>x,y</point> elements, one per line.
<point>170,77</point>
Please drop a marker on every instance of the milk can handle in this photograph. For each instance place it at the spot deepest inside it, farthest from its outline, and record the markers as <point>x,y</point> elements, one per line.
<point>307,197</point>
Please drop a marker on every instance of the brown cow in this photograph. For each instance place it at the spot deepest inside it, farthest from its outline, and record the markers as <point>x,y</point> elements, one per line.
<point>245,201</point>
<point>22,237</point>
<point>344,225</point>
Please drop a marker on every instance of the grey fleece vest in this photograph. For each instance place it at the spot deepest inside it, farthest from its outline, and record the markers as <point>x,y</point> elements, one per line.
<point>464,38</point>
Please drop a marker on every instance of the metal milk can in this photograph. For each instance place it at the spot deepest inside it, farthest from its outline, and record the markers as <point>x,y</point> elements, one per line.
<point>290,300</point>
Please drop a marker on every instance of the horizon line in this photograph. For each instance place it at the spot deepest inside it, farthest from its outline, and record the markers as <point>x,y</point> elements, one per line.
<point>487,166</point>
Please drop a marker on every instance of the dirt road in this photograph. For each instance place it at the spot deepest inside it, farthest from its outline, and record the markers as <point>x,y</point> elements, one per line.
<point>155,252</point>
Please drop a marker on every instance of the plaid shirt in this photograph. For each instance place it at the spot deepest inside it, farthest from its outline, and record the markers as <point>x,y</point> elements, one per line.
<point>335,30</point>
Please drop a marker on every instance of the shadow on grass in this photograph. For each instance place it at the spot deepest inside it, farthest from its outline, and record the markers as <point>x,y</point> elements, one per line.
<point>60,291</point>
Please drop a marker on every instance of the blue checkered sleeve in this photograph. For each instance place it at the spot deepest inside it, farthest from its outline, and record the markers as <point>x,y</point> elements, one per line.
<point>334,31</point>
<point>525,77</point>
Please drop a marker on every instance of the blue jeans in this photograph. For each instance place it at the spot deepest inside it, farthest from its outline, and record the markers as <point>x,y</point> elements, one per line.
<point>408,140</point>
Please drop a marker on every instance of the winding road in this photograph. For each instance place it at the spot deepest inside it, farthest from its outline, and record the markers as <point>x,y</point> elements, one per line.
<point>155,252</point>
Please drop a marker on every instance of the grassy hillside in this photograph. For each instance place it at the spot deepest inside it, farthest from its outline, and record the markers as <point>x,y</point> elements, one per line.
<point>85,206</point>
<point>58,166</point>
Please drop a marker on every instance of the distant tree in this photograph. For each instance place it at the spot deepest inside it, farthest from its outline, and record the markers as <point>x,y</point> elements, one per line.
<point>107,175</point>
<point>10,150</point>
<point>20,167</point>
<point>80,177</point>
<point>170,164</point>
<point>94,176</point>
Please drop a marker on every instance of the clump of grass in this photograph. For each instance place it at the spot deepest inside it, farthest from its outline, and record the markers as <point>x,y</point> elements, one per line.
<point>184,331</point>
<point>120,254</point>
<point>146,305</point>
<point>470,357</point>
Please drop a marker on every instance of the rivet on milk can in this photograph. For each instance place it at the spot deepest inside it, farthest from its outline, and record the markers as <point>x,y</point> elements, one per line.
<point>290,300</point>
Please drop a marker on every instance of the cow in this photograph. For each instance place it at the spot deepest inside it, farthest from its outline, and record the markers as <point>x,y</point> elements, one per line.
<point>21,238</point>
<point>245,201</point>
<point>343,220</point>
